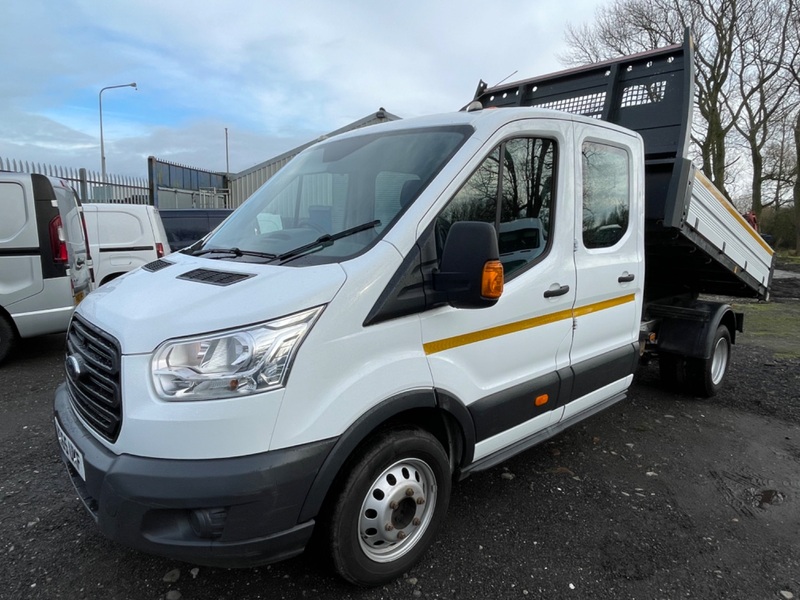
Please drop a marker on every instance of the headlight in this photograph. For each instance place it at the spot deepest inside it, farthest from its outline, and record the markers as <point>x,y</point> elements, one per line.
<point>233,363</point>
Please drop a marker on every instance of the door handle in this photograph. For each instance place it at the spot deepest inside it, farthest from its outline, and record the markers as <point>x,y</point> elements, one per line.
<point>626,278</point>
<point>79,263</point>
<point>558,292</point>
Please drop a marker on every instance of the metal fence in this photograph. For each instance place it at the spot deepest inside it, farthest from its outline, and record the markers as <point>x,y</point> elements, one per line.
<point>89,184</point>
<point>179,186</point>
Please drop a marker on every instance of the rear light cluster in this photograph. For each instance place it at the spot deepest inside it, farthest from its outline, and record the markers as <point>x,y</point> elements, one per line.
<point>58,245</point>
<point>159,250</point>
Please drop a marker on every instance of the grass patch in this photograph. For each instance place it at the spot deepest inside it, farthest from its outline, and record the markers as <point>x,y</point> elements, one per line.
<point>772,325</point>
<point>788,258</point>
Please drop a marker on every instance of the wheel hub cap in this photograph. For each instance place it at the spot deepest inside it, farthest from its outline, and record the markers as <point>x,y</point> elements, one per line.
<point>396,510</point>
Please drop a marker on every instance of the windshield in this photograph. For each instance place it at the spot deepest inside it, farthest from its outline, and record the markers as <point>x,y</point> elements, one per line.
<point>335,199</point>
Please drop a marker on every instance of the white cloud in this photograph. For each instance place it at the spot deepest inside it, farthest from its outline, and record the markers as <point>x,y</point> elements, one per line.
<point>276,74</point>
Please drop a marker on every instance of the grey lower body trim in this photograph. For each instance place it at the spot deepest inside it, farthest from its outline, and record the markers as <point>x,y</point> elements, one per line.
<point>545,434</point>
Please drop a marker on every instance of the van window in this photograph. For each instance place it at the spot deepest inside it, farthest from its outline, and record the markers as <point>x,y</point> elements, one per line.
<point>12,204</point>
<point>71,219</point>
<point>515,193</point>
<point>606,194</point>
<point>351,189</point>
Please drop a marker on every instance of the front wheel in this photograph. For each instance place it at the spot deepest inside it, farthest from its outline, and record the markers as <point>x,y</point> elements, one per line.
<point>389,507</point>
<point>706,375</point>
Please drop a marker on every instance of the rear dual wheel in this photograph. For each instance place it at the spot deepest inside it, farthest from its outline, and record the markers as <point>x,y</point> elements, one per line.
<point>703,376</point>
<point>389,507</point>
<point>706,375</point>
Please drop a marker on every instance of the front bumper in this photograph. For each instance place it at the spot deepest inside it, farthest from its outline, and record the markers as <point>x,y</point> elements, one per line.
<point>231,512</point>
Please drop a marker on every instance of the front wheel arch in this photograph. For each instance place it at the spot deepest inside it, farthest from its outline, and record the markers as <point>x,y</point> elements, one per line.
<point>420,408</point>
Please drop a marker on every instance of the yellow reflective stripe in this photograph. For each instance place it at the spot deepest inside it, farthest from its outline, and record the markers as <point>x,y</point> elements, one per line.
<point>732,209</point>
<point>493,332</point>
<point>590,308</point>
<point>500,330</point>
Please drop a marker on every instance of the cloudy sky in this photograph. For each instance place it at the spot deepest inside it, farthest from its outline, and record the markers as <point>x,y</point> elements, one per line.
<point>275,74</point>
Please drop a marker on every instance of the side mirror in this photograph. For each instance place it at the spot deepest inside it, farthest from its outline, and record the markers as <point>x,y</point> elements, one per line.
<point>471,275</point>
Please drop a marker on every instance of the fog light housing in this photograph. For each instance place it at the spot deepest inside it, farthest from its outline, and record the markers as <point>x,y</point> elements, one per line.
<point>208,523</point>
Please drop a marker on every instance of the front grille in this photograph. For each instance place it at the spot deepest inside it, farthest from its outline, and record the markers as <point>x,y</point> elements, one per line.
<point>93,377</point>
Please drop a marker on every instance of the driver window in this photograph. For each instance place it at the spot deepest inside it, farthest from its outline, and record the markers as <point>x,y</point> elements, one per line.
<point>513,189</point>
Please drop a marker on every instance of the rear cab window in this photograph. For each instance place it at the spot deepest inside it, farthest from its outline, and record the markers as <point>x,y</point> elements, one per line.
<point>606,194</point>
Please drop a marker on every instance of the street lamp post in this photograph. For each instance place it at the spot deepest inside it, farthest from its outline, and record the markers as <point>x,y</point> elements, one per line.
<point>102,146</point>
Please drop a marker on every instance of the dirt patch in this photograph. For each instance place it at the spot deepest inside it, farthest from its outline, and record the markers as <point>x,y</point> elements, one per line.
<point>786,279</point>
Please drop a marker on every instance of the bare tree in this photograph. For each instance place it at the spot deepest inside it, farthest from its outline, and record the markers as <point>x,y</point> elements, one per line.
<point>780,163</point>
<point>762,53</point>
<point>747,81</point>
<point>797,184</point>
<point>794,72</point>
<point>628,26</point>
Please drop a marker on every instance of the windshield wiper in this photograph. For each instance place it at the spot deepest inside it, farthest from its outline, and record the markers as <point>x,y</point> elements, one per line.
<point>326,240</point>
<point>235,251</point>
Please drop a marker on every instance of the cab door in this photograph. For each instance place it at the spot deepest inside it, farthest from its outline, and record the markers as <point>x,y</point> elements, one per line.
<point>503,362</point>
<point>609,262</point>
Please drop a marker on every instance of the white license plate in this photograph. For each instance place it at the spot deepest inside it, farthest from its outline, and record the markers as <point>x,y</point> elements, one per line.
<point>71,451</point>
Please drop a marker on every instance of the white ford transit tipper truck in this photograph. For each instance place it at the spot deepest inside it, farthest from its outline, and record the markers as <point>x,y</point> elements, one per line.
<point>44,259</point>
<point>398,307</point>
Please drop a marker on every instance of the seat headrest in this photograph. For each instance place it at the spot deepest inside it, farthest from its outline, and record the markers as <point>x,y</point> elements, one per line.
<point>409,191</point>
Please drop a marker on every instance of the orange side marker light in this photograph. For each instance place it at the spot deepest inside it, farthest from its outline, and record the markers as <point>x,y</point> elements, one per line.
<point>541,400</point>
<point>492,280</point>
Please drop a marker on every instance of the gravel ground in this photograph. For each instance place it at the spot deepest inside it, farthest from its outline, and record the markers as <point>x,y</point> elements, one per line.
<point>663,496</point>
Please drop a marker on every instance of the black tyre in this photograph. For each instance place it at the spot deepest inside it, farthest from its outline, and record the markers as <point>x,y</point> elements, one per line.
<point>706,375</point>
<point>8,337</point>
<point>671,370</point>
<point>389,506</point>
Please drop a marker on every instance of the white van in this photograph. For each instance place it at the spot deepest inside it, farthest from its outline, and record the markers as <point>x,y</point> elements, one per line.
<point>44,260</point>
<point>123,237</point>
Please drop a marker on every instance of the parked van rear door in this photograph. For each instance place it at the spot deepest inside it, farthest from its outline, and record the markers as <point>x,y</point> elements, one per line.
<point>73,237</point>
